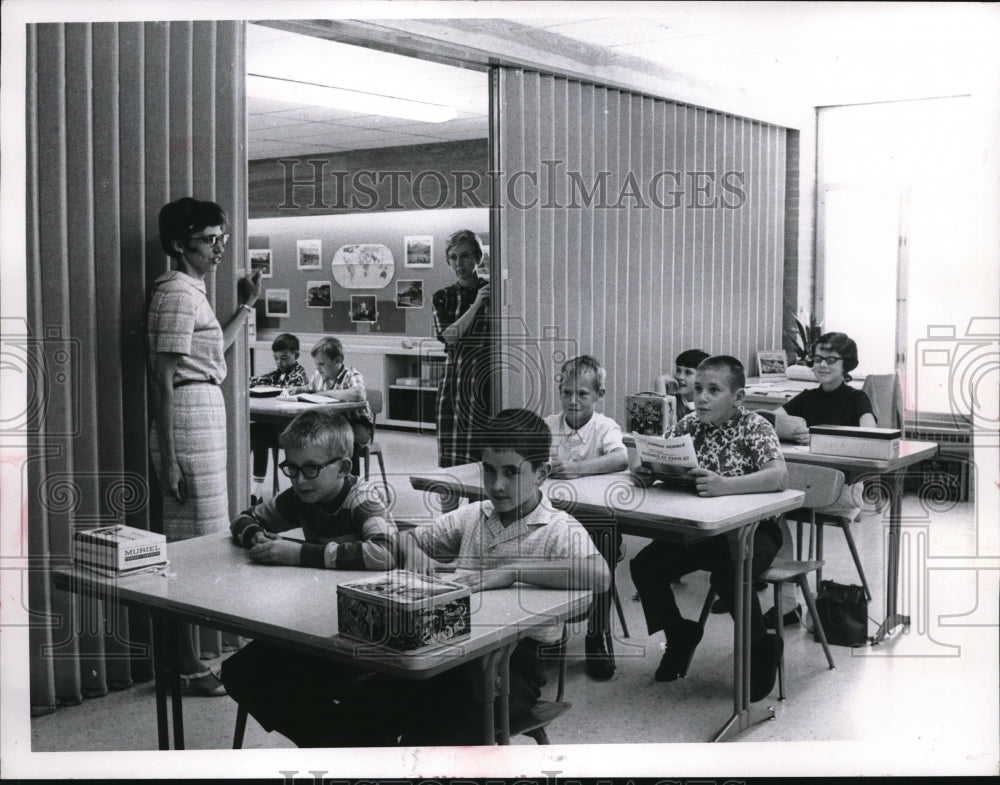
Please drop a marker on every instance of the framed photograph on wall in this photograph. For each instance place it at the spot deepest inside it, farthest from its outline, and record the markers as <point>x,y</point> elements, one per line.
<point>418,251</point>
<point>771,364</point>
<point>260,259</point>
<point>276,302</point>
<point>363,308</point>
<point>308,254</point>
<point>409,294</point>
<point>319,294</point>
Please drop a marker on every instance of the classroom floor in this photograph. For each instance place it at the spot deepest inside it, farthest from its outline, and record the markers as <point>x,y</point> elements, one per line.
<point>935,683</point>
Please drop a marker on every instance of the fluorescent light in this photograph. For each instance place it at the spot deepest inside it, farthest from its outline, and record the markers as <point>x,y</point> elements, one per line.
<point>292,91</point>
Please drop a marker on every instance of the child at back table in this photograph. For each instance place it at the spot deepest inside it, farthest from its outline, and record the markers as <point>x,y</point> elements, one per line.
<point>288,373</point>
<point>680,384</point>
<point>346,526</point>
<point>339,382</point>
<point>586,442</point>
<point>834,402</point>
<point>738,452</point>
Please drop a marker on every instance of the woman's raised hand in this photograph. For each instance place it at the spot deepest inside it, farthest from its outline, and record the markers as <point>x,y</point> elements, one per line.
<point>248,288</point>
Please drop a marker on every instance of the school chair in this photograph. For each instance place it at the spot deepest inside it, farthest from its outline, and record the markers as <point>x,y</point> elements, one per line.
<point>822,487</point>
<point>373,447</point>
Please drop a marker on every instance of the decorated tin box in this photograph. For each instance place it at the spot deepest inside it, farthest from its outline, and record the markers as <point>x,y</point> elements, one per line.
<point>403,610</point>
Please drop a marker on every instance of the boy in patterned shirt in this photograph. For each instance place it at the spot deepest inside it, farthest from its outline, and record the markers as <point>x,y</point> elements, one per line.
<point>287,373</point>
<point>738,452</point>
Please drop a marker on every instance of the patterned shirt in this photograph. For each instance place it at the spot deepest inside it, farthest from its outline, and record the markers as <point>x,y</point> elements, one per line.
<point>347,379</point>
<point>474,538</point>
<point>741,445</point>
<point>181,321</point>
<point>599,436</point>
<point>353,531</point>
<point>293,377</point>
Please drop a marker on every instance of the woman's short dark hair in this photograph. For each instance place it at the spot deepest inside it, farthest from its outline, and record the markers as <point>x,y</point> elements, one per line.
<point>841,343</point>
<point>465,236</point>
<point>185,217</point>
<point>286,342</point>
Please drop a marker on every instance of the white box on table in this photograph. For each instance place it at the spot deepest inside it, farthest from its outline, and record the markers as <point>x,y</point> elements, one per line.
<point>404,610</point>
<point>119,549</point>
<point>854,442</point>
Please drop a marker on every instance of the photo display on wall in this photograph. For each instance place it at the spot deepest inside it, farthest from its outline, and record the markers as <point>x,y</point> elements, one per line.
<point>319,294</point>
<point>363,308</point>
<point>276,302</point>
<point>409,294</point>
<point>308,254</point>
<point>418,251</point>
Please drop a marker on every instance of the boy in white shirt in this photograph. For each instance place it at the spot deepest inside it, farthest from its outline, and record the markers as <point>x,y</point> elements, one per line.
<point>586,442</point>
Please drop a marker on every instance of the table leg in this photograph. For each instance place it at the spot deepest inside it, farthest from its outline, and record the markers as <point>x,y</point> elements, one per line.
<point>494,683</point>
<point>744,715</point>
<point>160,677</point>
<point>172,666</point>
<point>892,617</point>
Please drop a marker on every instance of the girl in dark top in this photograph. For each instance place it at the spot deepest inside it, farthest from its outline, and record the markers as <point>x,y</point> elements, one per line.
<point>461,321</point>
<point>834,402</point>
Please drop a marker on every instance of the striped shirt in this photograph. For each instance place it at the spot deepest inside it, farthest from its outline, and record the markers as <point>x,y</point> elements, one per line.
<point>182,322</point>
<point>352,531</point>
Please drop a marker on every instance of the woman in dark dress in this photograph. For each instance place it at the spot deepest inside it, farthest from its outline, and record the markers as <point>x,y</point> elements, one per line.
<point>461,321</point>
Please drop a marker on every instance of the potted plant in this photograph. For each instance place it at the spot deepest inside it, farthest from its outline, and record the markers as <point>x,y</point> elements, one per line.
<point>802,335</point>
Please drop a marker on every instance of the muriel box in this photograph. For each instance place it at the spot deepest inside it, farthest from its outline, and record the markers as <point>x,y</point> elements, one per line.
<point>852,442</point>
<point>403,610</point>
<point>119,549</point>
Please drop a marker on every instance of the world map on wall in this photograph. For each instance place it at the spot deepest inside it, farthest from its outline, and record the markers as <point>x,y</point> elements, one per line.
<point>363,266</point>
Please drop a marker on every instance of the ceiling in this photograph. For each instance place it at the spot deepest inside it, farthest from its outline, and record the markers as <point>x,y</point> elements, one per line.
<point>808,54</point>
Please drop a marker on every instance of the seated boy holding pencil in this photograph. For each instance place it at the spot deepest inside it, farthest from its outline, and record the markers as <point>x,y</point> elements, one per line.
<point>346,526</point>
<point>514,536</point>
<point>738,452</point>
<point>586,442</point>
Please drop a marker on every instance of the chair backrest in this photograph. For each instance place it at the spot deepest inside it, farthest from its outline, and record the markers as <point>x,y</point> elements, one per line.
<point>822,486</point>
<point>374,401</point>
<point>885,393</point>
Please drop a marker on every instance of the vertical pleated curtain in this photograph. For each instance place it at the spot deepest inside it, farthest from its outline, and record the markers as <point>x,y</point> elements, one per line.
<point>121,118</point>
<point>603,256</point>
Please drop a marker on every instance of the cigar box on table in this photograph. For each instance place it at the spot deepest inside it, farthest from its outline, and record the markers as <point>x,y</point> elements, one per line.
<point>853,442</point>
<point>119,549</point>
<point>403,610</point>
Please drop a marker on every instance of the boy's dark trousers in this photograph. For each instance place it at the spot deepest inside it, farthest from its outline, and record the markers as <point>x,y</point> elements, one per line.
<point>660,562</point>
<point>317,702</point>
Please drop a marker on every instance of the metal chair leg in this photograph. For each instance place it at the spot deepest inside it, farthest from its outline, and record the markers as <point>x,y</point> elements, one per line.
<point>846,526</point>
<point>811,604</point>
<point>780,629</point>
<point>618,608</point>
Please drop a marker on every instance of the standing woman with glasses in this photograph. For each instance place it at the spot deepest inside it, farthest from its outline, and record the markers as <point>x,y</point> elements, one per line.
<point>462,324</point>
<point>186,346</point>
<point>834,402</point>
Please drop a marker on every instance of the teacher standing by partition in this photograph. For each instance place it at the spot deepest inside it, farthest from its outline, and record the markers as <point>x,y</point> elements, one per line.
<point>462,324</point>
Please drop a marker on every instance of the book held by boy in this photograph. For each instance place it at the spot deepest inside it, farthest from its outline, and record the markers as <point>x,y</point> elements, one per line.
<point>119,549</point>
<point>853,442</point>
<point>669,459</point>
<point>404,610</point>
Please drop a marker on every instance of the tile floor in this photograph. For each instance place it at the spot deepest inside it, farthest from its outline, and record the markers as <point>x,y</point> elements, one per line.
<point>926,697</point>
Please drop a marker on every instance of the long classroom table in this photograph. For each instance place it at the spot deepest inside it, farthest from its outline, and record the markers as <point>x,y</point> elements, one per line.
<point>211,581</point>
<point>660,513</point>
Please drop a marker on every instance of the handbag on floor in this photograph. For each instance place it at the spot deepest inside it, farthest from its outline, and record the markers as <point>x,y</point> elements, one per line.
<point>843,612</point>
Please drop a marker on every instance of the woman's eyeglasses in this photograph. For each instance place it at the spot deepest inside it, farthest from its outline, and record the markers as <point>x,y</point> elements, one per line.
<point>310,471</point>
<point>212,240</point>
<point>819,358</point>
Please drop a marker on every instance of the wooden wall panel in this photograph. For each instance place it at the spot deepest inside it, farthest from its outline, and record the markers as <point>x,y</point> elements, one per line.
<point>683,247</point>
<point>120,119</point>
